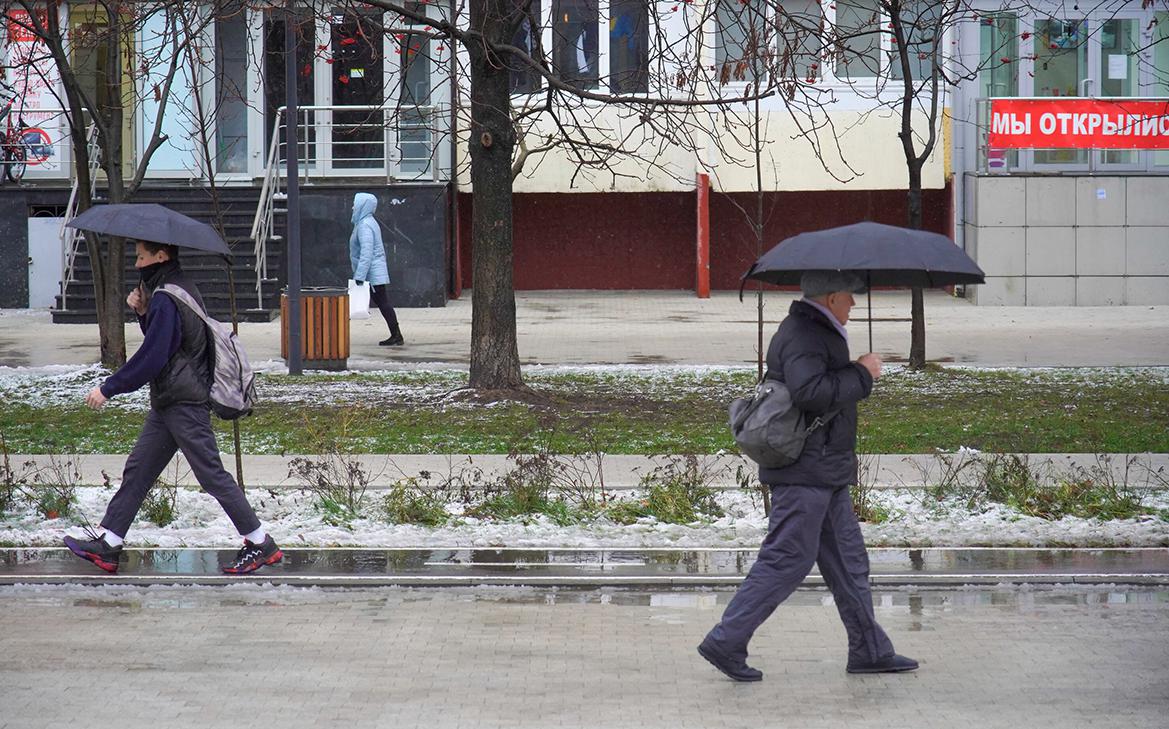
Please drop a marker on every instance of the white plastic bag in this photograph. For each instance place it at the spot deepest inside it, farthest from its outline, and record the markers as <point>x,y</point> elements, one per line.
<point>358,299</point>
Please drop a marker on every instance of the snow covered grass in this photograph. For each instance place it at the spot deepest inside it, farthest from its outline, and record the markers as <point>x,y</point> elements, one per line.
<point>297,520</point>
<point>622,409</point>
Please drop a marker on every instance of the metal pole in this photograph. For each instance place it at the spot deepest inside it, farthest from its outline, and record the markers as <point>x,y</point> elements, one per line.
<point>292,154</point>
<point>869,287</point>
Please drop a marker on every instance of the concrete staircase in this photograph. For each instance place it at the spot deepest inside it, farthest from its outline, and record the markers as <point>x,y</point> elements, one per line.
<point>208,271</point>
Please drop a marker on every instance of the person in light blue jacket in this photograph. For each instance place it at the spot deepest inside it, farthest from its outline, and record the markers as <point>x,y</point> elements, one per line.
<point>367,255</point>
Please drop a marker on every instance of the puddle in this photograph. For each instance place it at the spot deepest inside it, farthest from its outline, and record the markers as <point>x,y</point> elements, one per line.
<point>655,563</point>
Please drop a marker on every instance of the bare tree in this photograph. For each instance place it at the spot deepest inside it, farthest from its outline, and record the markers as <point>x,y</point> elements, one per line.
<point>104,103</point>
<point>525,102</point>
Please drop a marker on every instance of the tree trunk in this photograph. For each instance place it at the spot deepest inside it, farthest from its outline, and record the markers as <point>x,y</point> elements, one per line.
<point>495,359</point>
<point>917,305</point>
<point>111,323</point>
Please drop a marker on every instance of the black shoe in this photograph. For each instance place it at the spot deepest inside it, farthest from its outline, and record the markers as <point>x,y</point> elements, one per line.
<point>393,341</point>
<point>892,664</point>
<point>736,669</point>
<point>96,550</point>
<point>252,557</point>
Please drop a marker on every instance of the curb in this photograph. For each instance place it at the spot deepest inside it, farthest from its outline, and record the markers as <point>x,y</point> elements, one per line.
<point>578,582</point>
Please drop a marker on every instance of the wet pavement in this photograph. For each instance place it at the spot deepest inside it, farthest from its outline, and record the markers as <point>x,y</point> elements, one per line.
<point>675,327</point>
<point>178,657</point>
<point>584,567</point>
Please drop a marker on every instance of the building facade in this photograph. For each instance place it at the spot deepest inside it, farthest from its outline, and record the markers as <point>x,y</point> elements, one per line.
<point>1084,226</point>
<point>383,109</point>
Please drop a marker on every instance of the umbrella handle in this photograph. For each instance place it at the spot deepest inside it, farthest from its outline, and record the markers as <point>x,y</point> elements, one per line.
<point>869,288</point>
<point>743,281</point>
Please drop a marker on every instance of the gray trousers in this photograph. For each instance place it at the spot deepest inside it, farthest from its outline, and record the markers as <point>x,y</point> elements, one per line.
<point>178,427</point>
<point>808,525</point>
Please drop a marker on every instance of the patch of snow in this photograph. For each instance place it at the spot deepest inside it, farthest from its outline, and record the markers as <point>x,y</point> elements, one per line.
<point>295,520</point>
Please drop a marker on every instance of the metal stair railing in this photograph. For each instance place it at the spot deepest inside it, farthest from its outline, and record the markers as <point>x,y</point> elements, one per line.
<point>332,147</point>
<point>265,209</point>
<point>71,237</point>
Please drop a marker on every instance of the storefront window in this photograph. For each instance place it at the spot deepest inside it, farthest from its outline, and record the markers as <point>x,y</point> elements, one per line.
<point>31,83</point>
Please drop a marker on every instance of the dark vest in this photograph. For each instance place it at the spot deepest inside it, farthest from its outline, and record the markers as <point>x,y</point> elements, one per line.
<point>186,378</point>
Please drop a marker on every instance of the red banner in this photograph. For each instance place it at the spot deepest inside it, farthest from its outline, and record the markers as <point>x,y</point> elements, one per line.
<point>20,26</point>
<point>1070,123</point>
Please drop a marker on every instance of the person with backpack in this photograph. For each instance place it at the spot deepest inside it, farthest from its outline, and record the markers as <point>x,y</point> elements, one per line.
<point>176,359</point>
<point>812,519</point>
<point>367,256</point>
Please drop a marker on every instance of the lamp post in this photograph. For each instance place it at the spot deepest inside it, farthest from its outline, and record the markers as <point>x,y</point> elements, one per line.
<point>292,154</point>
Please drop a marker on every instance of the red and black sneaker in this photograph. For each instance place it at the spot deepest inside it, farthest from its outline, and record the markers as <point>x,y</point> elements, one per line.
<point>96,550</point>
<point>252,557</point>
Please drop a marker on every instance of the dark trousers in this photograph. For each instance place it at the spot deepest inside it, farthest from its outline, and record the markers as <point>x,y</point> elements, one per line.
<point>178,427</point>
<point>808,526</point>
<point>379,296</point>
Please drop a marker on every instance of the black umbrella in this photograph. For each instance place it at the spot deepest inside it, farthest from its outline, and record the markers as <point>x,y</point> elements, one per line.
<point>151,222</point>
<point>885,255</point>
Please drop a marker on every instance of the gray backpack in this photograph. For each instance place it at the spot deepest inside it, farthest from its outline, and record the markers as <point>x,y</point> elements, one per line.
<point>769,429</point>
<point>233,384</point>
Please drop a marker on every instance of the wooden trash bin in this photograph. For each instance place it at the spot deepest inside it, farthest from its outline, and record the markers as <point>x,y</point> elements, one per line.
<point>324,328</point>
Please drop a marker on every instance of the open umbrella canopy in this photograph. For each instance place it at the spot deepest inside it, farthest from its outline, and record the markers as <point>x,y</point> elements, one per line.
<point>151,222</point>
<point>884,255</point>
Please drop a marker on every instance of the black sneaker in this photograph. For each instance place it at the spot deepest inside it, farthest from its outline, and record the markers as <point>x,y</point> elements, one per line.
<point>252,557</point>
<point>393,341</point>
<point>96,550</point>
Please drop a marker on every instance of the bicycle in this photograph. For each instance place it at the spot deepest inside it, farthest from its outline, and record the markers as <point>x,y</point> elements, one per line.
<point>20,144</point>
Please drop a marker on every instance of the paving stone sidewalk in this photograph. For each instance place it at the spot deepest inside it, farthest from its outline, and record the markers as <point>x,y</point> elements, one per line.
<point>278,657</point>
<point>675,327</point>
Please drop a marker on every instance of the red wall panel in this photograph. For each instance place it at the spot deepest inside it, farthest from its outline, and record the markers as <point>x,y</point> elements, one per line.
<point>647,240</point>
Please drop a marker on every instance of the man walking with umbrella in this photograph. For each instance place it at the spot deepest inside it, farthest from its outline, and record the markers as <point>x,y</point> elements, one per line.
<point>174,359</point>
<point>812,520</point>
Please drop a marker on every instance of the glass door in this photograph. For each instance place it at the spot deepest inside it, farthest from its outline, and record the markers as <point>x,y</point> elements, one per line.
<point>1117,68</point>
<point>1061,69</point>
<point>358,71</point>
<point>274,79</point>
<point>998,39</point>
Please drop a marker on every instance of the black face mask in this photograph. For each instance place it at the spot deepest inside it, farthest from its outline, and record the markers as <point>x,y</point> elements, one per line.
<point>150,275</point>
<point>147,272</point>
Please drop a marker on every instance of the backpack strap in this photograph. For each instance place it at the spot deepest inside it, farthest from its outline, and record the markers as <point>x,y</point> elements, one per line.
<point>180,294</point>
<point>816,423</point>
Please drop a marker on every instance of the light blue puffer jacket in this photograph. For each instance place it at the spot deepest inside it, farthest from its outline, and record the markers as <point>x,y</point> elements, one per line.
<point>367,254</point>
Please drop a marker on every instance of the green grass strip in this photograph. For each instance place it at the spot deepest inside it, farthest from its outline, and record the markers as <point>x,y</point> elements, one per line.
<point>630,411</point>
